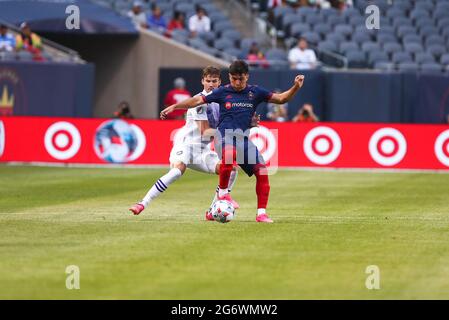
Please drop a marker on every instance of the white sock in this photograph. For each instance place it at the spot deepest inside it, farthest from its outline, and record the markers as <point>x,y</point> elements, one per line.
<point>222,192</point>
<point>161,185</point>
<point>261,211</point>
<point>232,179</point>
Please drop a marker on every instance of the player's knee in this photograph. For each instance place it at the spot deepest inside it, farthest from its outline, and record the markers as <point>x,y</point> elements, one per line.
<point>181,166</point>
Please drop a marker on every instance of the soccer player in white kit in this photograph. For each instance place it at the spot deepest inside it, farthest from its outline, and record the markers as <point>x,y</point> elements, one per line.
<point>191,147</point>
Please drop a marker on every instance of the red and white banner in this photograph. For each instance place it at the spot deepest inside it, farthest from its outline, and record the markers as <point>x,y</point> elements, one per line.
<point>148,142</point>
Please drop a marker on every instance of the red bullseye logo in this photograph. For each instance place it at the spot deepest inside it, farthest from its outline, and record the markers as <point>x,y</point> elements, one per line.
<point>322,145</point>
<point>442,148</point>
<point>62,140</point>
<point>2,138</point>
<point>228,105</point>
<point>264,140</point>
<point>387,146</point>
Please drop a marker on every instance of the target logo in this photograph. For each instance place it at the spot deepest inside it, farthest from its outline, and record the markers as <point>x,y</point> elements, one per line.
<point>442,148</point>
<point>62,140</point>
<point>264,140</point>
<point>387,146</point>
<point>322,145</point>
<point>2,138</point>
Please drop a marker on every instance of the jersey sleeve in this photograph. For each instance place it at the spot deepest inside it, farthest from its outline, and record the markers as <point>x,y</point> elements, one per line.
<point>199,113</point>
<point>214,96</point>
<point>264,94</point>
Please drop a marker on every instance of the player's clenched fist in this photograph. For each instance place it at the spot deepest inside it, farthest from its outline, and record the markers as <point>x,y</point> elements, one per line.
<point>299,80</point>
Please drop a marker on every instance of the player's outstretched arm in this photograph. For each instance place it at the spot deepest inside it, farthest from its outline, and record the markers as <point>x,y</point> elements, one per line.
<point>186,104</point>
<point>286,96</point>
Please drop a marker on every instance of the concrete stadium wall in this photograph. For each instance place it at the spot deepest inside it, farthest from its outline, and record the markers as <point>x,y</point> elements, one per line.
<point>131,72</point>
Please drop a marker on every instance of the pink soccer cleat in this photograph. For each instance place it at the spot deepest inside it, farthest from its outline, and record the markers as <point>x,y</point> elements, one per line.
<point>209,216</point>
<point>136,209</point>
<point>226,197</point>
<point>234,203</point>
<point>263,218</point>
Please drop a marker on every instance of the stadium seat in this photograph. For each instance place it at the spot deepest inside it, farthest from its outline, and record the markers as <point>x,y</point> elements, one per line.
<point>211,51</point>
<point>424,5</point>
<point>289,19</point>
<point>423,22</point>
<point>386,38</point>
<point>326,13</point>
<point>439,14</point>
<point>207,36</point>
<point>313,19</point>
<point>221,26</point>
<point>424,57</point>
<point>403,31</point>
<point>356,59</point>
<point>442,23</point>
<point>401,21</point>
<point>344,29</point>
<point>395,12</point>
<point>417,14</point>
<point>431,68</point>
<point>436,50</point>
<point>232,35</point>
<point>297,29</point>
<point>335,20</point>
<point>327,46</point>
<point>399,57</point>
<point>370,46</point>
<point>312,37</point>
<point>322,28</point>
<point>361,37</point>
<point>346,47</point>
<point>445,59</point>
<point>392,47</point>
<point>435,39</point>
<point>24,56</point>
<point>217,16</point>
<point>276,54</point>
<point>357,21</point>
<point>223,43</point>
<point>412,47</point>
<point>232,53</point>
<point>197,43</point>
<point>408,67</point>
<point>377,56</point>
<point>428,30</point>
<point>7,56</point>
<point>246,43</point>
<point>385,66</point>
<point>180,35</point>
<point>412,38</point>
<point>335,37</point>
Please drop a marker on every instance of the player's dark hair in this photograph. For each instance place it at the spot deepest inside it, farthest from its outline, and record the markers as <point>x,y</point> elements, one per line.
<point>211,71</point>
<point>238,67</point>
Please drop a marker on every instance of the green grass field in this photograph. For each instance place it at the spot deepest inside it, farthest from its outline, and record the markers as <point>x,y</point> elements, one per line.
<point>329,226</point>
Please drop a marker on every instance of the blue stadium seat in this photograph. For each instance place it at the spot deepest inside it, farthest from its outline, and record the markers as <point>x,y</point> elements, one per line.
<point>412,38</point>
<point>442,23</point>
<point>370,46</point>
<point>445,59</point>
<point>246,43</point>
<point>386,38</point>
<point>326,13</point>
<point>392,47</point>
<point>276,54</point>
<point>184,7</point>
<point>361,37</point>
<point>436,50</point>
<point>412,47</point>
<point>212,51</point>
<point>395,12</point>
<point>423,22</point>
<point>401,21</point>
<point>418,13</point>
<point>408,67</point>
<point>322,28</point>
<point>357,21</point>
<point>402,31</point>
<point>24,56</point>
<point>344,29</point>
<point>313,19</point>
<point>297,29</point>
<point>399,57</point>
<point>221,26</point>
<point>232,35</point>
<point>234,53</point>
<point>424,57</point>
<point>385,66</point>
<point>222,44</point>
<point>347,46</point>
<point>335,20</point>
<point>435,39</point>
<point>327,46</point>
<point>312,37</point>
<point>289,19</point>
<point>335,37</point>
<point>217,16</point>
<point>431,68</point>
<point>180,35</point>
<point>428,30</point>
<point>197,43</point>
<point>356,59</point>
<point>208,37</point>
<point>377,56</point>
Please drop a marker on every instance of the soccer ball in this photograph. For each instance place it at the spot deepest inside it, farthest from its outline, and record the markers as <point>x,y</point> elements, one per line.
<point>223,211</point>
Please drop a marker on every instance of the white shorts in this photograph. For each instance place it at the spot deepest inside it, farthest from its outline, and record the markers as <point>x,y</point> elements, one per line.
<point>196,156</point>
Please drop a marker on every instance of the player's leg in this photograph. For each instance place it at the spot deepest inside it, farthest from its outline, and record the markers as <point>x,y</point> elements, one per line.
<point>178,160</point>
<point>232,179</point>
<point>226,166</point>
<point>255,164</point>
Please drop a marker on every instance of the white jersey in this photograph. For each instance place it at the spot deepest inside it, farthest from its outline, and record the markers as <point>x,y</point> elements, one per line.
<point>190,133</point>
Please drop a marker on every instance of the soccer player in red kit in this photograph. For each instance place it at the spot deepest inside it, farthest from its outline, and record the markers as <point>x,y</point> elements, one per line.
<point>238,102</point>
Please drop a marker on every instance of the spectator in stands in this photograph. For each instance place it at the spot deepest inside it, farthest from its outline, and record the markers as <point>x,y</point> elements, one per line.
<point>177,22</point>
<point>199,22</point>
<point>277,112</point>
<point>322,4</point>
<point>138,17</point>
<point>156,20</point>
<point>305,114</point>
<point>341,4</point>
<point>123,111</point>
<point>7,42</point>
<point>176,95</point>
<point>28,40</point>
<point>301,57</point>
<point>271,5</point>
<point>256,57</point>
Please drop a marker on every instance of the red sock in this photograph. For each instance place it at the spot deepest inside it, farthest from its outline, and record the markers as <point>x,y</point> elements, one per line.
<point>262,186</point>
<point>227,163</point>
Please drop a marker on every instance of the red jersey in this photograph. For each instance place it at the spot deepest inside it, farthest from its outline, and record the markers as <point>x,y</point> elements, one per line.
<point>176,96</point>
